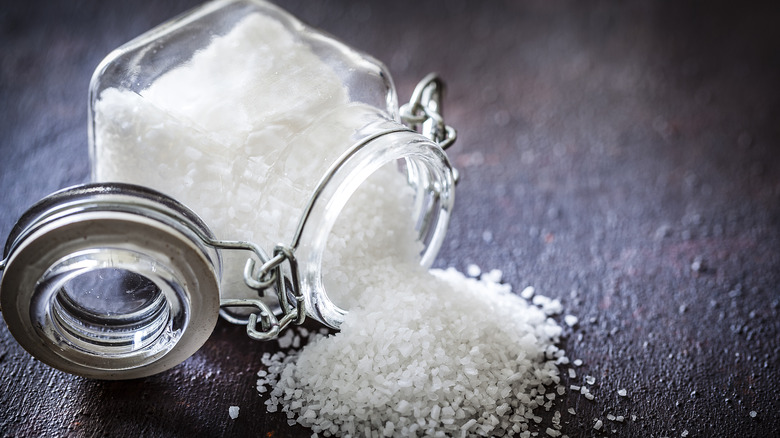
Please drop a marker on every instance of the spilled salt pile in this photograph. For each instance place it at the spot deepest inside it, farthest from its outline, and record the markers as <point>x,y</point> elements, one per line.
<point>421,352</point>
<point>430,354</point>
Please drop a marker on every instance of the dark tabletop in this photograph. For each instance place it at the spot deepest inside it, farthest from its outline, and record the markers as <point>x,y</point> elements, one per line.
<point>623,157</point>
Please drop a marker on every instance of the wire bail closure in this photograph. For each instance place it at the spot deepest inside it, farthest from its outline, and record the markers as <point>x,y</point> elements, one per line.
<point>423,112</point>
<point>288,294</point>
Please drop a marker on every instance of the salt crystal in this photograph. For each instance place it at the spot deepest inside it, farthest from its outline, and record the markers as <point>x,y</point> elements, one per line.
<point>469,424</point>
<point>286,340</point>
<point>473,270</point>
<point>527,293</point>
<point>554,307</point>
<point>552,432</point>
<point>233,412</point>
<point>598,424</point>
<point>570,320</point>
<point>494,276</point>
<point>753,414</point>
<point>622,392</point>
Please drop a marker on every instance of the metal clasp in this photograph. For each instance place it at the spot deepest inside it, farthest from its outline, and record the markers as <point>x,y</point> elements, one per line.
<point>270,275</point>
<point>288,290</point>
<point>424,111</point>
<point>288,293</point>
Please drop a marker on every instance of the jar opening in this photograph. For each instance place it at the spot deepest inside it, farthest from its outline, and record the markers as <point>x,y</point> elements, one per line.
<point>110,295</point>
<point>112,308</point>
<point>109,302</point>
<point>410,217</point>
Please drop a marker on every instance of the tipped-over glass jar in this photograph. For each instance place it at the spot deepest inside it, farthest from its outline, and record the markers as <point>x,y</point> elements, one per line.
<point>262,126</point>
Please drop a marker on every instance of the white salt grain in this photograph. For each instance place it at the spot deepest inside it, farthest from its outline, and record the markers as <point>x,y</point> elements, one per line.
<point>527,293</point>
<point>233,412</point>
<point>469,424</point>
<point>286,340</point>
<point>494,276</point>
<point>753,414</point>
<point>622,392</point>
<point>570,320</point>
<point>598,424</point>
<point>473,270</point>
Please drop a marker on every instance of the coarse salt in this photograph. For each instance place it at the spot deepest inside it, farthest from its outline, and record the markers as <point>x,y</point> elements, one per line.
<point>473,270</point>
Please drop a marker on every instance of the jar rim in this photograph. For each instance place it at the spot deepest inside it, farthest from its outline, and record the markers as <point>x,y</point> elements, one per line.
<point>109,217</point>
<point>352,169</point>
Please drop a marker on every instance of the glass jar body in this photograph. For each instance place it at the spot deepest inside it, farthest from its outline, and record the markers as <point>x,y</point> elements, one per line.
<point>264,127</point>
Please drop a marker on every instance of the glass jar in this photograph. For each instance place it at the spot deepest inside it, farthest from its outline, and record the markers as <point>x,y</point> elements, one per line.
<point>262,126</point>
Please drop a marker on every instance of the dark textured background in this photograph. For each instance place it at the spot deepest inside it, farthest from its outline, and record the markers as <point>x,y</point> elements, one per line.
<point>622,157</point>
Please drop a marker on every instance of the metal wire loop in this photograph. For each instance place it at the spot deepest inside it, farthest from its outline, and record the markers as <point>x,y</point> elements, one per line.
<point>269,324</point>
<point>424,111</point>
<point>266,275</point>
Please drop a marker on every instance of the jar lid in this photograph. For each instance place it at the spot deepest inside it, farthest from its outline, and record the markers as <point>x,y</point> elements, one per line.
<point>110,281</point>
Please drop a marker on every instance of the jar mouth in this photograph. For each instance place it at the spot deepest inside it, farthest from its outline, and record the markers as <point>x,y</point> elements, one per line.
<point>428,173</point>
<point>109,303</point>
